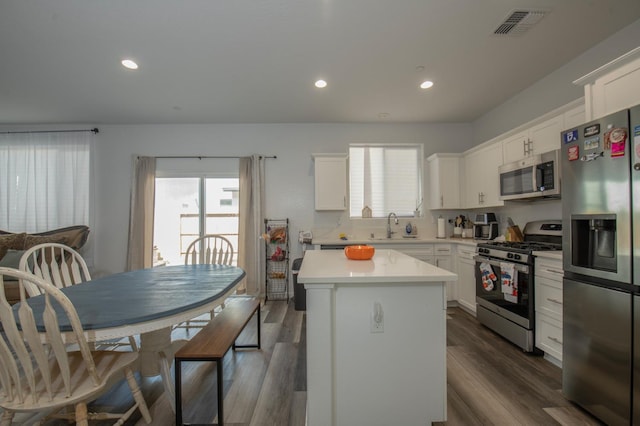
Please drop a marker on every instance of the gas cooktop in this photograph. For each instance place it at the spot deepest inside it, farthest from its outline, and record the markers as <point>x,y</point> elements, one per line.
<point>523,246</point>
<point>538,236</point>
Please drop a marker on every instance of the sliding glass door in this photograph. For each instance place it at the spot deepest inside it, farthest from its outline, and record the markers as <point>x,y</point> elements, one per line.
<point>189,207</point>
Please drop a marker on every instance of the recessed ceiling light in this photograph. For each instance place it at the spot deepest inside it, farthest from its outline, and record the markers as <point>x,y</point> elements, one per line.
<point>128,63</point>
<point>320,84</point>
<point>426,84</point>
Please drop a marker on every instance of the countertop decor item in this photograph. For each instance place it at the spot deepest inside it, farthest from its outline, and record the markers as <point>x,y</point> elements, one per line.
<point>359,252</point>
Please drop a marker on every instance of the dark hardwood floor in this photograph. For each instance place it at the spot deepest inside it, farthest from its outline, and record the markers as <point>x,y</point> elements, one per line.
<point>490,381</point>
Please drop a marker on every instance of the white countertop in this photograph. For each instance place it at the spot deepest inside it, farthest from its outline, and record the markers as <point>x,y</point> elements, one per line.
<point>395,240</point>
<point>332,266</point>
<point>556,255</point>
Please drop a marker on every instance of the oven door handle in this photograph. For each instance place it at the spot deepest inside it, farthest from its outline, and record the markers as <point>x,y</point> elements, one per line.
<point>518,267</point>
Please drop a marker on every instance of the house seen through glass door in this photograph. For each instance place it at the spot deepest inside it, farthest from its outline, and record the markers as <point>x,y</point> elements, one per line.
<point>189,207</point>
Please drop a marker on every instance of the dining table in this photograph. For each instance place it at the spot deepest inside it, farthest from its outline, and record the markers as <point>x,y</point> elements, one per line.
<point>147,302</point>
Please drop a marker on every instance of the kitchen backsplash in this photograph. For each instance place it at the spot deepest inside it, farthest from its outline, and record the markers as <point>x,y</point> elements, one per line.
<point>519,212</point>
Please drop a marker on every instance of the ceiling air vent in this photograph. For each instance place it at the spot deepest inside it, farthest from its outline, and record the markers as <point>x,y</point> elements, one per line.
<point>519,21</point>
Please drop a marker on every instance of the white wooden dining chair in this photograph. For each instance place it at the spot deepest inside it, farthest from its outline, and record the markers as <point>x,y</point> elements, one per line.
<point>211,249</point>
<point>39,374</point>
<point>62,266</point>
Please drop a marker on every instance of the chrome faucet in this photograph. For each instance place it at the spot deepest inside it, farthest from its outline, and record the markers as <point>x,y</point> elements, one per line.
<point>389,223</point>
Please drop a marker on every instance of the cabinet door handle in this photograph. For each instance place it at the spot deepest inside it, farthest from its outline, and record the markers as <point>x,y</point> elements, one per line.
<point>437,263</point>
<point>553,339</point>
<point>554,301</point>
<point>554,271</point>
<point>524,147</point>
<point>442,201</point>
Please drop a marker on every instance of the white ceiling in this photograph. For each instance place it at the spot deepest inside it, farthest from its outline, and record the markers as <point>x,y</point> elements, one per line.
<point>251,61</point>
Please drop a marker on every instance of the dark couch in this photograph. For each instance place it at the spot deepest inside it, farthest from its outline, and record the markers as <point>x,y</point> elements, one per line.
<point>12,245</point>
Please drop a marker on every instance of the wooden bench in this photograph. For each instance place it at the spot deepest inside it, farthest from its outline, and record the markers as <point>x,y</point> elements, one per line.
<point>213,341</point>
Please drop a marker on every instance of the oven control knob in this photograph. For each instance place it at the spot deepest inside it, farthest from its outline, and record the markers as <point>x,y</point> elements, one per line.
<point>517,257</point>
<point>509,255</point>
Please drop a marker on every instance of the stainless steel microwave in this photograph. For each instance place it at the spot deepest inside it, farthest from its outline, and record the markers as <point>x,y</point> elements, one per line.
<point>533,177</point>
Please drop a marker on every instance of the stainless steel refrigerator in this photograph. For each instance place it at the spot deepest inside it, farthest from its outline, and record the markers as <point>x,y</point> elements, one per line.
<point>601,259</point>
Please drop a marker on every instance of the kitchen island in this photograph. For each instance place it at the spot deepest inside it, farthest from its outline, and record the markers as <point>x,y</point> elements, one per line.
<point>376,339</point>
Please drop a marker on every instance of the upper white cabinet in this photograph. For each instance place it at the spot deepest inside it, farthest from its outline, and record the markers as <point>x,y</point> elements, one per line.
<point>613,86</point>
<point>574,117</point>
<point>330,181</point>
<point>444,181</point>
<point>539,138</point>
<point>481,179</point>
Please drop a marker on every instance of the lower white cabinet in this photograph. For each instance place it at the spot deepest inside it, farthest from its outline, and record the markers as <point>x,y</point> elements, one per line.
<point>435,254</point>
<point>548,303</point>
<point>443,259</point>
<point>466,278</point>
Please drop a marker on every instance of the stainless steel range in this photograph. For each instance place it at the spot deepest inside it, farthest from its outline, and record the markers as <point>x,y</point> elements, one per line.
<point>505,281</point>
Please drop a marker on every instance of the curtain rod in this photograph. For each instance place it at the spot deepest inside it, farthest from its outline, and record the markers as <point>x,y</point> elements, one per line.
<point>94,130</point>
<point>200,157</point>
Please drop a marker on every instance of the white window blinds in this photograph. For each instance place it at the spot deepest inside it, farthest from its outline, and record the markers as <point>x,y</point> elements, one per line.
<point>387,178</point>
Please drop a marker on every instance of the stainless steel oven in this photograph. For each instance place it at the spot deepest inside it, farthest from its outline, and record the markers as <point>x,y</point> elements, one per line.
<point>505,282</point>
<point>507,310</point>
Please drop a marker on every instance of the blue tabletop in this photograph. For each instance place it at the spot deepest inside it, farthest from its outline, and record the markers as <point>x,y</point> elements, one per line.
<point>145,294</point>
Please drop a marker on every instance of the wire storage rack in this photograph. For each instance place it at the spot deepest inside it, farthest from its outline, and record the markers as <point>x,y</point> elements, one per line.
<point>277,261</point>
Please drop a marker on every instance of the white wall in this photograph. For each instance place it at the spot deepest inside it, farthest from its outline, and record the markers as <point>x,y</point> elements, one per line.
<point>289,178</point>
<point>556,89</point>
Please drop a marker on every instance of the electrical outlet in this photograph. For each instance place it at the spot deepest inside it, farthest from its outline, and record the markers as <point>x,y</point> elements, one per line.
<point>377,319</point>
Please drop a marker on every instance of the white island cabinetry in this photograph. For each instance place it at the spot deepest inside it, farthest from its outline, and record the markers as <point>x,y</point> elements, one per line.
<point>375,373</point>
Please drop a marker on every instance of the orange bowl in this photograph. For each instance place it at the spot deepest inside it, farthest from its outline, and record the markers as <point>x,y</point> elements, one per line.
<point>359,252</point>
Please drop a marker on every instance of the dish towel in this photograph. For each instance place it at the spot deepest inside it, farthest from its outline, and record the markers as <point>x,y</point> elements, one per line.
<point>488,276</point>
<point>509,280</point>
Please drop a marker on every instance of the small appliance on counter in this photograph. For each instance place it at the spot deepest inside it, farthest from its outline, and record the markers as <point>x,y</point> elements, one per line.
<point>485,226</point>
<point>459,224</point>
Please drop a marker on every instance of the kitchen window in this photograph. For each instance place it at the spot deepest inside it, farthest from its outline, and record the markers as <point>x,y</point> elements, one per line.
<point>386,178</point>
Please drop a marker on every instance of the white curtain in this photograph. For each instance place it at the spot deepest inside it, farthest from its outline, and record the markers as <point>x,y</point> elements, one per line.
<point>143,188</point>
<point>45,180</point>
<point>250,247</point>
